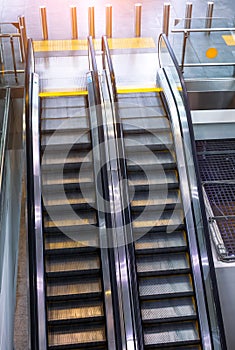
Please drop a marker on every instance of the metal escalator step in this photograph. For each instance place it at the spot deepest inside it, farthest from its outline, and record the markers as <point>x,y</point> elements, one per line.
<point>69,288</point>
<point>169,310</point>
<point>71,219</point>
<point>58,199</point>
<point>145,124</point>
<point>165,287</point>
<point>64,265</point>
<point>67,124</point>
<point>66,140</point>
<point>64,102</point>
<point>140,142</point>
<point>148,160</point>
<point>75,311</point>
<point>163,220</point>
<point>166,335</point>
<point>153,180</point>
<point>133,111</point>
<point>157,199</point>
<point>178,347</point>
<point>161,242</point>
<point>162,264</point>
<point>61,243</point>
<point>66,205</point>
<point>63,112</point>
<point>75,158</point>
<point>66,178</point>
<point>74,337</point>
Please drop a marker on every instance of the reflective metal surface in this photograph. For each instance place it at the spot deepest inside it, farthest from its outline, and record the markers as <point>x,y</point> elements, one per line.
<point>97,164</point>
<point>40,288</point>
<point>186,199</point>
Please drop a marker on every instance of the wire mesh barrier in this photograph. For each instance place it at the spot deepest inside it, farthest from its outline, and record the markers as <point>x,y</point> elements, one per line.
<point>217,168</point>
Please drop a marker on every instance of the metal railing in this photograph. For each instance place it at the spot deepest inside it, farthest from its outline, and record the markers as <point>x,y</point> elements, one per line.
<point>126,249</point>
<point>8,47</point>
<point>205,26</point>
<point>169,65</point>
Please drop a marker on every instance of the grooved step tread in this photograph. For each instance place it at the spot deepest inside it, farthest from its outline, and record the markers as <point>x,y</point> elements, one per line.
<point>72,262</point>
<point>149,219</point>
<point>141,142</point>
<point>65,141</point>
<point>155,160</point>
<point>64,311</point>
<point>184,333</point>
<point>54,159</point>
<point>61,178</point>
<point>162,264</point>
<point>60,243</point>
<point>165,286</point>
<point>95,334</point>
<point>168,310</point>
<point>67,124</point>
<point>145,124</point>
<point>158,199</point>
<point>153,180</point>
<point>161,241</point>
<point>73,288</point>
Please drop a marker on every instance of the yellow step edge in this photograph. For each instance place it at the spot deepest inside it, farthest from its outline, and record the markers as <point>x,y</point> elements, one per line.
<point>45,94</point>
<point>130,89</point>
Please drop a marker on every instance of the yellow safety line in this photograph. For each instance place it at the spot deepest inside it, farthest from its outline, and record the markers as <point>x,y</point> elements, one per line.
<point>130,90</point>
<point>44,94</point>
<point>81,44</point>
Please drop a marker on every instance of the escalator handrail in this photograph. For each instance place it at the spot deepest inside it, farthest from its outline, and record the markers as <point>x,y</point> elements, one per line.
<point>38,332</point>
<point>198,188</point>
<point>4,136</point>
<point>106,55</point>
<point>93,68</point>
<point>104,218</point>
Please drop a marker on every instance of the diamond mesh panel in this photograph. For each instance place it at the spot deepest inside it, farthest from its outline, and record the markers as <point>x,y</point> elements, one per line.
<point>216,159</point>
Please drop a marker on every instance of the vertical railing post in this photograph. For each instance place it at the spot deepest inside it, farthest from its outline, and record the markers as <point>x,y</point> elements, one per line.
<point>43,12</point>
<point>209,14</point>
<point>186,34</point>
<point>91,21</point>
<point>109,21</point>
<point>23,35</point>
<point>13,58</point>
<point>166,18</point>
<point>73,11</point>
<point>188,15</point>
<point>138,11</point>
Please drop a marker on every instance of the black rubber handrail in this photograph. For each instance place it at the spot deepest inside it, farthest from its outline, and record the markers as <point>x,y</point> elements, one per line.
<point>37,330</point>
<point>106,56</point>
<point>105,186</point>
<point>198,181</point>
<point>4,135</point>
<point>30,199</point>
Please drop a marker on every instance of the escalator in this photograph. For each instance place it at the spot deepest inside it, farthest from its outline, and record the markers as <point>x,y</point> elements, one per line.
<point>166,291</point>
<point>66,272</point>
<point>74,293</point>
<point>114,264</point>
<point>170,279</point>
